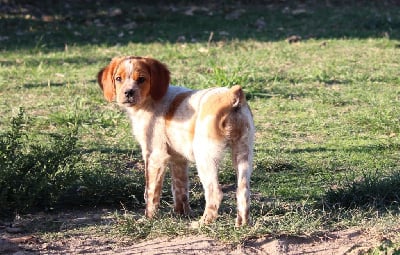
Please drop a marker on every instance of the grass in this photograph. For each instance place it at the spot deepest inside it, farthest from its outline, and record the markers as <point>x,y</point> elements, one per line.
<point>326,108</point>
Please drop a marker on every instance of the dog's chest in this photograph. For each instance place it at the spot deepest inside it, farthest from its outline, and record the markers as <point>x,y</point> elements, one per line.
<point>146,128</point>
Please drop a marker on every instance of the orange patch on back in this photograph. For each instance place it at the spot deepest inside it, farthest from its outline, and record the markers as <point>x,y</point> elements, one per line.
<point>220,103</point>
<point>221,106</point>
<point>176,102</point>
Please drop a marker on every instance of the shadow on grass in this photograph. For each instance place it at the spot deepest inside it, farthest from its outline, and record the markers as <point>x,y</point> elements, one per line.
<point>376,190</point>
<point>53,24</point>
<point>356,149</point>
<point>55,61</point>
<point>42,85</point>
<point>364,190</point>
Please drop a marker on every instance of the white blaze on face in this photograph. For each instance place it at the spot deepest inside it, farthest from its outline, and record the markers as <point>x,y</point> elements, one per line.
<point>129,67</point>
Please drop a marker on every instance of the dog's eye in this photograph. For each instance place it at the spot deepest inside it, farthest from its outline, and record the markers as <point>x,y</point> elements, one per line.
<point>141,79</point>
<point>119,79</point>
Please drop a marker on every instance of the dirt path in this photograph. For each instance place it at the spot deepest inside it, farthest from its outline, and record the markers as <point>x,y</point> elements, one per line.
<point>17,242</point>
<point>344,242</point>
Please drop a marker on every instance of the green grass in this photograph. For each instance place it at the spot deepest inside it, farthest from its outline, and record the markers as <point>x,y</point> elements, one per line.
<point>327,108</point>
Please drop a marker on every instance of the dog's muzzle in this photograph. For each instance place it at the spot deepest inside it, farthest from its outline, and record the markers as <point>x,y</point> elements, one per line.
<point>130,96</point>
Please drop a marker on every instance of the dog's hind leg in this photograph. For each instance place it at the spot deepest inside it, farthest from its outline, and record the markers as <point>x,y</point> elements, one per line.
<point>207,165</point>
<point>242,157</point>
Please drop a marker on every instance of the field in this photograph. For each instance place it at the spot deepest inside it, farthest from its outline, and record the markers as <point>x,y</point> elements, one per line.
<point>322,79</point>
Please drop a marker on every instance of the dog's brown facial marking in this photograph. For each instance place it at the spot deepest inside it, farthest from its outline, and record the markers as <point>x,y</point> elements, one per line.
<point>132,82</point>
<point>106,80</point>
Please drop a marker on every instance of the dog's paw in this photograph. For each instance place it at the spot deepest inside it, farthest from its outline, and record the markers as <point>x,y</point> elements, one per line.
<point>195,225</point>
<point>240,222</point>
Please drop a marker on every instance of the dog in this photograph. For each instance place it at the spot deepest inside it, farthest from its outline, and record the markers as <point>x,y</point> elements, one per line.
<point>175,126</point>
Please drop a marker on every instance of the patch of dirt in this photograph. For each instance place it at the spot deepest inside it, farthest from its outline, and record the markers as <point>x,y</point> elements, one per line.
<point>15,240</point>
<point>350,241</point>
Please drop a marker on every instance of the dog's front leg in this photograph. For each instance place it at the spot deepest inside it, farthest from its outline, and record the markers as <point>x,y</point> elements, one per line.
<point>180,185</point>
<point>154,173</point>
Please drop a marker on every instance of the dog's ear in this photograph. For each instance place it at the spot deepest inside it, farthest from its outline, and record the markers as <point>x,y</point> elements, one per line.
<point>106,80</point>
<point>159,78</point>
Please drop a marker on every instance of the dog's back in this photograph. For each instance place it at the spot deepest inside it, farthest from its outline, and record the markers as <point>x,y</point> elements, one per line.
<point>218,115</point>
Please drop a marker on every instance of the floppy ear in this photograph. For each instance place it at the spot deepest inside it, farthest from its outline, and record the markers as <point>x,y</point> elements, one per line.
<point>159,78</point>
<point>106,81</point>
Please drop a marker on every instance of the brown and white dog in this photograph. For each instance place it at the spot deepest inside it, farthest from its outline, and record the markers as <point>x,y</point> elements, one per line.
<point>176,125</point>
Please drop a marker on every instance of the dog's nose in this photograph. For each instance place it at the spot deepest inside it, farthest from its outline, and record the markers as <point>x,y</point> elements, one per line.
<point>129,93</point>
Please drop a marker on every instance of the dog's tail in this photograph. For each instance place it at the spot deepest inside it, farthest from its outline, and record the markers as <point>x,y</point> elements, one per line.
<point>237,116</point>
<point>238,97</point>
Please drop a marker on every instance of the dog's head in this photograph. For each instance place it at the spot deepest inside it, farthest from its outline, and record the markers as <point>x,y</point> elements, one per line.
<point>133,80</point>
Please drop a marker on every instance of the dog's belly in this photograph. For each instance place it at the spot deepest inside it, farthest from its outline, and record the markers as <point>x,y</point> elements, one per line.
<point>180,137</point>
